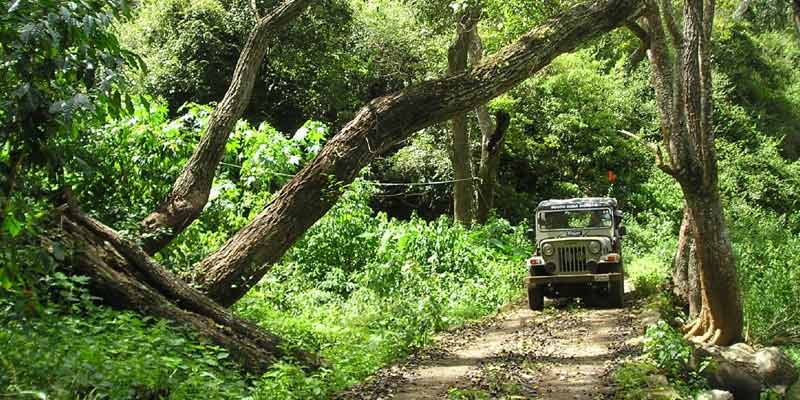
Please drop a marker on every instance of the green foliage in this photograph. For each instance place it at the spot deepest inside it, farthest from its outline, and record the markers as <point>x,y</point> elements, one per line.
<point>647,274</point>
<point>467,394</point>
<point>387,289</point>
<point>188,46</point>
<point>322,66</point>
<point>122,186</point>
<point>633,379</point>
<point>60,75</point>
<point>60,62</point>
<point>670,353</point>
<point>794,354</point>
<point>98,353</point>
<point>767,260</point>
<point>668,349</point>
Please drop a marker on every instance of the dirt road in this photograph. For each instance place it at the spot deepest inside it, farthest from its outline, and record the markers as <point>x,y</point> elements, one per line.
<point>563,352</point>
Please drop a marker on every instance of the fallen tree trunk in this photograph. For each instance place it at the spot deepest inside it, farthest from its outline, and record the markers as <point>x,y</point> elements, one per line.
<point>126,277</point>
<point>230,272</point>
<point>189,193</point>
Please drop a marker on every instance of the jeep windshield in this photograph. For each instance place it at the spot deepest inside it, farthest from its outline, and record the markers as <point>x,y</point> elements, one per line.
<point>574,219</point>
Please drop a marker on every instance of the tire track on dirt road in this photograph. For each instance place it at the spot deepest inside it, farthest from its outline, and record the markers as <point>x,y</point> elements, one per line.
<point>563,352</point>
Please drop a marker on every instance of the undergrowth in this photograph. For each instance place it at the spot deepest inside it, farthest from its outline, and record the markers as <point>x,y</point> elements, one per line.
<point>105,354</point>
<point>359,288</point>
<point>363,290</point>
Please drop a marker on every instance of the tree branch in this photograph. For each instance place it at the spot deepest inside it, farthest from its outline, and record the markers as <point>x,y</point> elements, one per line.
<point>190,190</point>
<point>644,45</point>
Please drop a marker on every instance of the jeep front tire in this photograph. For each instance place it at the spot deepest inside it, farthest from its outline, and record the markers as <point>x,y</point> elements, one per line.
<point>535,297</point>
<point>616,293</point>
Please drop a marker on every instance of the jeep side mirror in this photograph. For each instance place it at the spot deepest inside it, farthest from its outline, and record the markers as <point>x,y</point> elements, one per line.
<point>622,230</point>
<point>531,233</point>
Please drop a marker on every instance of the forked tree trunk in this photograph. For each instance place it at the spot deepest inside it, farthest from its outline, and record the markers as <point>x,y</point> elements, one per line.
<point>460,153</point>
<point>191,189</point>
<point>684,97</point>
<point>126,277</point>
<point>229,273</point>
<point>491,148</point>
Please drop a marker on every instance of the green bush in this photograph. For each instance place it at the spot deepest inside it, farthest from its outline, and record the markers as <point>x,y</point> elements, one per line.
<point>767,260</point>
<point>189,48</point>
<point>100,353</point>
<point>670,353</point>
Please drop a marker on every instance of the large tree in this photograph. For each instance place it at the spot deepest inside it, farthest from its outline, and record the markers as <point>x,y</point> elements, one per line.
<point>681,76</point>
<point>125,275</point>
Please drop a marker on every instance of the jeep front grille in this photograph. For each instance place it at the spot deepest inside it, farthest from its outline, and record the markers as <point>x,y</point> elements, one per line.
<point>572,259</point>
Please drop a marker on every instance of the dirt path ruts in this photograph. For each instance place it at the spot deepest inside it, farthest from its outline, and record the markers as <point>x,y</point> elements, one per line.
<point>561,353</point>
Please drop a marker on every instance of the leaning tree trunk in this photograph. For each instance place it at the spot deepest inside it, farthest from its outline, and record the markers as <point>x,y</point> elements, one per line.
<point>191,189</point>
<point>460,150</point>
<point>124,276</point>
<point>684,98</point>
<point>491,148</point>
<point>230,272</point>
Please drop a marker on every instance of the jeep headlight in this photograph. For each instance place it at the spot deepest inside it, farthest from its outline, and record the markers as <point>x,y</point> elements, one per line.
<point>547,249</point>
<point>594,247</point>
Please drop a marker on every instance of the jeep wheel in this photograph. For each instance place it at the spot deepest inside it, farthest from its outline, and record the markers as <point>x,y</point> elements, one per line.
<point>535,297</point>
<point>616,295</point>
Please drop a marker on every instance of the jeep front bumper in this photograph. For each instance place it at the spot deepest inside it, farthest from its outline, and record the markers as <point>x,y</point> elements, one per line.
<point>577,278</point>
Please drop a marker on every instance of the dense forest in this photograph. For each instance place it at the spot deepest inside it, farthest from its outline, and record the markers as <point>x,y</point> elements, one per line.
<point>274,199</point>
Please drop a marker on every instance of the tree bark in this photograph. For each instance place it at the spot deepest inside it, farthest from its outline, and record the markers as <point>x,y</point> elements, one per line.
<point>126,277</point>
<point>491,147</point>
<point>685,275</point>
<point>460,154</point>
<point>230,272</point>
<point>684,97</point>
<point>190,191</point>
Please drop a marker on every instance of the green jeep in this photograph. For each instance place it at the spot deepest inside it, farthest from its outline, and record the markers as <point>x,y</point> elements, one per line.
<point>578,252</point>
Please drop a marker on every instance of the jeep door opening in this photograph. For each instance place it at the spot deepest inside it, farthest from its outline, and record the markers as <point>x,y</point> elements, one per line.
<point>578,252</point>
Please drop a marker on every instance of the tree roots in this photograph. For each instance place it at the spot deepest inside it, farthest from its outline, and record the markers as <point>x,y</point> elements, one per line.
<point>703,330</point>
